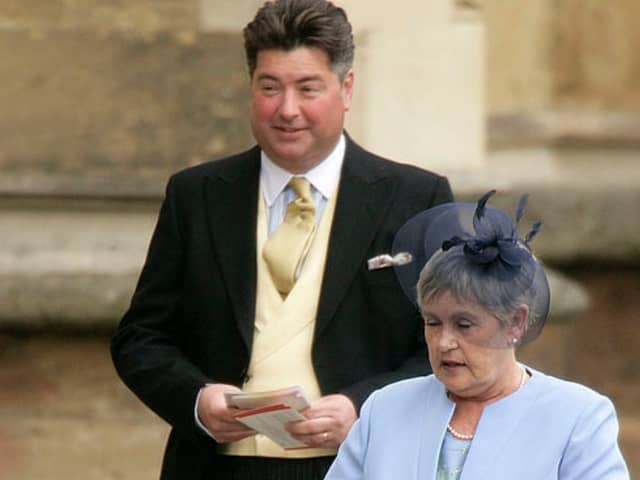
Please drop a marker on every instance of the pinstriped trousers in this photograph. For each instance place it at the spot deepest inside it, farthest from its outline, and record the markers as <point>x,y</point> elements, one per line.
<point>232,467</point>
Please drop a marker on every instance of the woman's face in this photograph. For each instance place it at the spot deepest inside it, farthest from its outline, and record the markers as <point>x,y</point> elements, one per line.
<point>470,350</point>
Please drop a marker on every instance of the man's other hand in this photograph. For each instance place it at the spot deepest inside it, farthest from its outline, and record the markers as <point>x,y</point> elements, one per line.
<point>328,421</point>
<point>217,417</point>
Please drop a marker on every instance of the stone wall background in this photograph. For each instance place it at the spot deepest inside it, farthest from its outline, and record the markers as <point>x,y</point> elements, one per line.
<point>573,55</point>
<point>102,100</point>
<point>109,98</point>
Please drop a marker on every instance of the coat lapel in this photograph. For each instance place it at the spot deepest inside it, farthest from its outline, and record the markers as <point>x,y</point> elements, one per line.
<point>231,196</point>
<point>499,424</point>
<point>363,195</point>
<point>438,411</point>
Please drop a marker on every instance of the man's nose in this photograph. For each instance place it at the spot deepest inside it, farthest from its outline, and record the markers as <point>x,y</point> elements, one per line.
<point>289,107</point>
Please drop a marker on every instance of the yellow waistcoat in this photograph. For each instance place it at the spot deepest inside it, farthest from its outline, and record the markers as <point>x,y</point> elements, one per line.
<point>283,334</point>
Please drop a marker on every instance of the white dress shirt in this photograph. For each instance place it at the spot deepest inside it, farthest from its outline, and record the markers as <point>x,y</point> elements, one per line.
<point>323,178</point>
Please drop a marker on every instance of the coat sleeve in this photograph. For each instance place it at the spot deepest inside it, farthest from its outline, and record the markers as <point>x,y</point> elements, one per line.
<point>146,347</point>
<point>350,461</point>
<point>592,452</point>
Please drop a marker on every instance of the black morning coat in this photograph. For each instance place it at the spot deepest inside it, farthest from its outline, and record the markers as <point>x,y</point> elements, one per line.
<point>191,317</point>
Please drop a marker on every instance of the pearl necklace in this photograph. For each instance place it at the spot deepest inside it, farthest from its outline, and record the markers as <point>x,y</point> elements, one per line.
<point>462,436</point>
<point>457,434</point>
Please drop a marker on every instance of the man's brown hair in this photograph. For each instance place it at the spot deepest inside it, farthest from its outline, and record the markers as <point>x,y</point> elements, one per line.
<point>289,24</point>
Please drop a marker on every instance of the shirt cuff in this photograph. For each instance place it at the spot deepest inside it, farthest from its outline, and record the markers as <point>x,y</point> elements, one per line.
<point>197,418</point>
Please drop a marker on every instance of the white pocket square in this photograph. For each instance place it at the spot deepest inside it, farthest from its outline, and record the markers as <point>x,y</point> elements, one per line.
<point>386,260</point>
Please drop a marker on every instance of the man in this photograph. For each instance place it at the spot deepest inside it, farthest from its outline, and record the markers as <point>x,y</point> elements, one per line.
<point>216,311</point>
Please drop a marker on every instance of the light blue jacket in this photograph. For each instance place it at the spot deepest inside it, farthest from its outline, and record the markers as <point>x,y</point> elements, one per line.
<point>549,429</point>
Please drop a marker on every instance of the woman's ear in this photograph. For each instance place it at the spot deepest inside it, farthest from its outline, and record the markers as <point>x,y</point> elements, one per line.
<point>519,322</point>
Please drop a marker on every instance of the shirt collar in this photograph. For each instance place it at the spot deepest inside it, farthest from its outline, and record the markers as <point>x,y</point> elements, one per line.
<point>324,176</point>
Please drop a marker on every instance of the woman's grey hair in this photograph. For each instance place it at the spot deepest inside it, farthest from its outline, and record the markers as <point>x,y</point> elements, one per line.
<point>289,24</point>
<point>453,272</point>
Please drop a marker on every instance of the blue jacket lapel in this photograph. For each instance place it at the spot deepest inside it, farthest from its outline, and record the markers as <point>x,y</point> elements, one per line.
<point>439,411</point>
<point>495,433</point>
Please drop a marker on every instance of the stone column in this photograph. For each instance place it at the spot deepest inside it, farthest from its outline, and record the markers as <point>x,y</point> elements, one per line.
<point>419,95</point>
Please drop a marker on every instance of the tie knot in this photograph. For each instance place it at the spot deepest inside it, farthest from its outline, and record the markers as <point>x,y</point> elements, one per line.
<point>301,186</point>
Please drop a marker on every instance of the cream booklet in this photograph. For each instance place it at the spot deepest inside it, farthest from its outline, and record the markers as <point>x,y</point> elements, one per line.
<point>268,412</point>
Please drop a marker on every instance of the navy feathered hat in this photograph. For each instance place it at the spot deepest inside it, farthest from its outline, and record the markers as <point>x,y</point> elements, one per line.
<point>487,237</point>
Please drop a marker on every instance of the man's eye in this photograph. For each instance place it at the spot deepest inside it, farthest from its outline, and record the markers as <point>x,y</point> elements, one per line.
<point>464,324</point>
<point>310,89</point>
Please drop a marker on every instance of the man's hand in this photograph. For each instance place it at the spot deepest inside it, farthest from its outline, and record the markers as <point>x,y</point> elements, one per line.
<point>328,421</point>
<point>214,413</point>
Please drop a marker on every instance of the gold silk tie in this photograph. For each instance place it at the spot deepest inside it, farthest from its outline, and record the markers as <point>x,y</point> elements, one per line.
<point>288,245</point>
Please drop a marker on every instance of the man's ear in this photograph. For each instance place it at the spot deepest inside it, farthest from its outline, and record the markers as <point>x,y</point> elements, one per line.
<point>347,90</point>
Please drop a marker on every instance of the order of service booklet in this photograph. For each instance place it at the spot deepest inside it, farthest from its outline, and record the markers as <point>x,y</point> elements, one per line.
<point>268,412</point>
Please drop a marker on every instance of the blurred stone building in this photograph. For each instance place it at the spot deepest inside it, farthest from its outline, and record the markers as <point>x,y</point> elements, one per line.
<point>102,100</point>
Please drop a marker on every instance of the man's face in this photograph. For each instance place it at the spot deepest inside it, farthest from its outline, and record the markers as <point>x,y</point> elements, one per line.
<point>297,106</point>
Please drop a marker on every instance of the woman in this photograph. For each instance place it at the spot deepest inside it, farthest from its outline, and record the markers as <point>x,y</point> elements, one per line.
<point>481,415</point>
